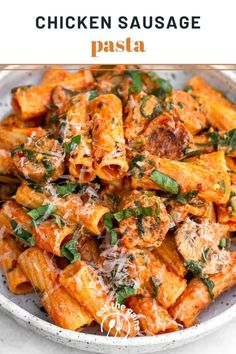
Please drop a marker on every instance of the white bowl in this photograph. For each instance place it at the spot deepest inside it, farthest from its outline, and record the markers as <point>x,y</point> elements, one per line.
<point>25,309</point>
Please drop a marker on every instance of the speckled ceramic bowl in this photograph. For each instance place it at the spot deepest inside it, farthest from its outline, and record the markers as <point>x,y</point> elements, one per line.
<point>26,309</point>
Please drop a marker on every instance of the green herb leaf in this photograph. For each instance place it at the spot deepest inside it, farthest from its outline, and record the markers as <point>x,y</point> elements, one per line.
<point>222,186</point>
<point>58,220</point>
<point>188,88</point>
<point>126,213</point>
<point>163,86</point>
<point>165,182</point>
<point>157,110</point>
<point>155,286</point>
<point>204,255</point>
<point>34,186</point>
<point>115,199</point>
<point>69,250</point>
<point>75,141</point>
<point>190,152</point>
<point>180,104</point>
<point>41,213</point>
<point>17,150</point>
<point>196,269</point>
<point>137,81</point>
<point>186,197</point>
<point>48,167</point>
<point>108,221</point>
<point>223,242</point>
<point>66,189</point>
<point>24,235</point>
<point>92,94</point>
<point>124,293</point>
<point>210,286</point>
<point>137,158</point>
<point>114,237</point>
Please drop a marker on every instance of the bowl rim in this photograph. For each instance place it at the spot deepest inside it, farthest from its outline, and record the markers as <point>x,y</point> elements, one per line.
<point>186,334</point>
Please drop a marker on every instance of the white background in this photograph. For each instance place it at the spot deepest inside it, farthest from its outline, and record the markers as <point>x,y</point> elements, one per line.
<point>21,42</point>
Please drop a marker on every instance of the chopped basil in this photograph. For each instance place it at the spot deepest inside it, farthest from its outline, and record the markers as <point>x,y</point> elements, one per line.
<point>135,168</point>
<point>188,88</point>
<point>108,221</point>
<point>180,104</point>
<point>227,140</point>
<point>157,110</point>
<point>204,255</point>
<point>222,186</point>
<point>155,286</point>
<point>124,293</point>
<point>196,269</point>
<point>34,186</point>
<point>114,237</point>
<point>140,226</point>
<point>190,152</point>
<point>137,158</point>
<point>223,242</point>
<point>69,250</point>
<point>115,199</point>
<point>137,81</point>
<point>231,204</point>
<point>165,182</point>
<point>66,189</point>
<point>92,94</point>
<point>41,213</point>
<point>75,141</point>
<point>126,213</point>
<point>57,220</point>
<point>186,197</point>
<point>210,285</point>
<point>48,167</point>
<point>17,150</point>
<point>164,87</point>
<point>24,235</point>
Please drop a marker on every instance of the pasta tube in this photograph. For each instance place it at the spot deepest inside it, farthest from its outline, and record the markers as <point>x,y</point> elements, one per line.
<point>83,283</point>
<point>6,165</point>
<point>39,268</point>
<point>167,251</point>
<point>212,185</point>
<point>50,237</point>
<point>153,318</point>
<point>108,137</point>
<point>64,310</point>
<point>47,235</point>
<point>196,296</point>
<point>17,281</point>
<point>77,124</point>
<point>188,110</point>
<point>30,102</point>
<point>134,120</point>
<point>221,113</point>
<point>11,138</point>
<point>71,208</point>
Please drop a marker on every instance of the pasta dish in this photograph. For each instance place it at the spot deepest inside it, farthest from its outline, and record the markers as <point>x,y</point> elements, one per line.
<point>117,188</point>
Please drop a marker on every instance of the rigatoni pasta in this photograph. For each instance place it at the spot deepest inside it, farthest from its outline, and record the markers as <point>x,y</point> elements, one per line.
<point>118,198</point>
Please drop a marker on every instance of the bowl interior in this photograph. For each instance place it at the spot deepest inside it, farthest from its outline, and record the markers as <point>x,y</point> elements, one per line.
<point>14,78</point>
